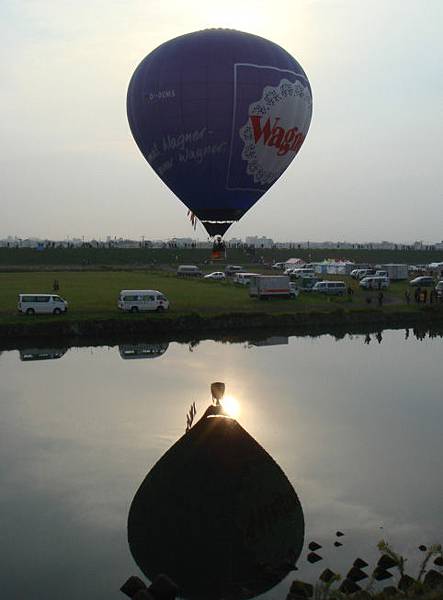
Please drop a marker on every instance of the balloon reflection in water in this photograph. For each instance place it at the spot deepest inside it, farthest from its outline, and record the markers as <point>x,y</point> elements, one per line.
<point>216,514</point>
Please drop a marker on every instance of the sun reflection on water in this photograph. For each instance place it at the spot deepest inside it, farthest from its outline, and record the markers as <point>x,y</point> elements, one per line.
<point>231,406</point>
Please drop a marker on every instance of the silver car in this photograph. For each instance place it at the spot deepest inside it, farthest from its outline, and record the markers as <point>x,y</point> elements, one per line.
<point>331,288</point>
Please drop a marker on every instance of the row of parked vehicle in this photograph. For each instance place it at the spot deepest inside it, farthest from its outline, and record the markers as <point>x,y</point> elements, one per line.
<point>128,301</point>
<point>195,271</point>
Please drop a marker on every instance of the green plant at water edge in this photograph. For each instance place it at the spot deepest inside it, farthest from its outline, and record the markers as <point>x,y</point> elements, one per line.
<point>422,586</point>
<point>385,548</point>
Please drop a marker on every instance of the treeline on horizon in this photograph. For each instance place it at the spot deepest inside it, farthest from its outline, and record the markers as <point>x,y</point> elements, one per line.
<point>10,257</point>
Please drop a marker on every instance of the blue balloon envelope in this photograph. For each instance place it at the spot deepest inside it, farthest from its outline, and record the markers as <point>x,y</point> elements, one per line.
<point>219,115</point>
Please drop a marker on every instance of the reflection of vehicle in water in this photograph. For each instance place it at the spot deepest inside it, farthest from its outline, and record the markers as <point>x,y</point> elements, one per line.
<point>216,514</point>
<point>41,353</point>
<point>128,351</point>
<point>274,340</point>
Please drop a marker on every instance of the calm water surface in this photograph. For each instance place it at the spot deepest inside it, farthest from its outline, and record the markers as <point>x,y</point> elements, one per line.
<point>356,427</point>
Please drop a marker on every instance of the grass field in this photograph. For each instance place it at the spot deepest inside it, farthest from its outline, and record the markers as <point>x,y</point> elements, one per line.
<point>94,295</point>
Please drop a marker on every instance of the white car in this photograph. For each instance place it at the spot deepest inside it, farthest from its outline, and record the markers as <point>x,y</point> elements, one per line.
<point>142,300</point>
<point>32,304</point>
<point>303,273</point>
<point>374,283</point>
<point>217,276</point>
<point>243,278</point>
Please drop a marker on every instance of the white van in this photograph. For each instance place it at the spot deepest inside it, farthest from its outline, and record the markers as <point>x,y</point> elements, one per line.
<point>243,278</point>
<point>142,300</point>
<point>332,288</point>
<point>33,304</point>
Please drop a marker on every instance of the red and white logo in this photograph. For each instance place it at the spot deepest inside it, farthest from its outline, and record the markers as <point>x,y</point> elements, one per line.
<point>276,128</point>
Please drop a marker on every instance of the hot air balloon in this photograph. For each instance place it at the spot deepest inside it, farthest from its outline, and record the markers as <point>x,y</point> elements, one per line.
<point>219,115</point>
<point>216,513</point>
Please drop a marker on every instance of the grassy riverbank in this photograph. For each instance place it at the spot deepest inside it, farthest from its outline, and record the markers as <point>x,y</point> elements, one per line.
<point>196,306</point>
<point>94,294</point>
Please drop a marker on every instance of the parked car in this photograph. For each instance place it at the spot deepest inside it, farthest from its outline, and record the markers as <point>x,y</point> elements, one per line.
<point>189,271</point>
<point>306,284</point>
<point>381,274</point>
<point>332,288</point>
<point>374,283</point>
<point>231,269</point>
<point>302,272</point>
<point>423,281</point>
<point>439,288</point>
<point>243,278</point>
<point>217,276</point>
<point>365,273</point>
<point>142,300</point>
<point>413,269</point>
<point>279,266</point>
<point>33,304</point>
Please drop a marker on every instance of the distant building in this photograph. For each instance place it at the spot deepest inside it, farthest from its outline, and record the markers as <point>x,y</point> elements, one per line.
<point>182,243</point>
<point>259,242</point>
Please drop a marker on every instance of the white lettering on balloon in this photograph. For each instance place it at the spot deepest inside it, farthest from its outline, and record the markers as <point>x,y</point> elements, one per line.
<point>168,164</point>
<point>198,154</point>
<point>178,142</point>
<point>188,147</point>
<point>160,95</point>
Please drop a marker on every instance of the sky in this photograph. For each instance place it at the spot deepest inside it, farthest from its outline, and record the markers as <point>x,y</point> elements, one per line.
<point>369,170</point>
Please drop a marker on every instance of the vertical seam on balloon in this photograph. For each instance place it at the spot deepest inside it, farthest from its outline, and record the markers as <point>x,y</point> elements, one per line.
<point>234,110</point>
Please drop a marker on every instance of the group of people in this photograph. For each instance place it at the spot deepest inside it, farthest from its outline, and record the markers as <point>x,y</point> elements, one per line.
<point>421,296</point>
<point>419,333</point>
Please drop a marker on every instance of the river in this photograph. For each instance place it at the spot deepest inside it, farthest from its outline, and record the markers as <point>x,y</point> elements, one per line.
<point>355,424</point>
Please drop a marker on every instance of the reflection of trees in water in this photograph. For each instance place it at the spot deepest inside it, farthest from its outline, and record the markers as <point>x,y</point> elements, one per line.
<point>217,514</point>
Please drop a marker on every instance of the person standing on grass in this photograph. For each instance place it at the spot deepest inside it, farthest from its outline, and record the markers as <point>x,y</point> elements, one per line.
<point>417,295</point>
<point>380,298</point>
<point>407,297</point>
<point>350,293</point>
<point>425,296</point>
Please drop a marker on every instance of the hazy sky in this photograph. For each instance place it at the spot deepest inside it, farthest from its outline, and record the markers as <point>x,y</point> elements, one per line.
<point>371,166</point>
